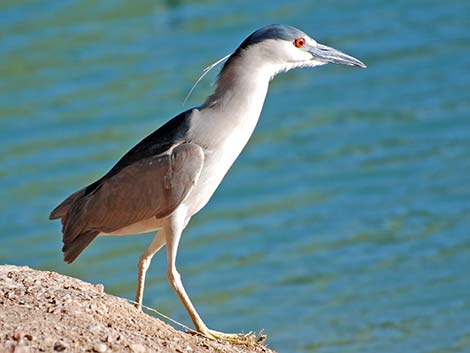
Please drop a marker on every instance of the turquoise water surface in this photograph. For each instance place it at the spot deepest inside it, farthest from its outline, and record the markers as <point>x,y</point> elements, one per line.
<point>344,225</point>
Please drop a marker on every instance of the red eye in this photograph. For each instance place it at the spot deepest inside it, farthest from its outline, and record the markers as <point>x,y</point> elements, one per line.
<point>299,42</point>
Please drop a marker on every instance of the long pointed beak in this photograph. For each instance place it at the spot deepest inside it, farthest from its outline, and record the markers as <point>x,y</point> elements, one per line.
<point>326,54</point>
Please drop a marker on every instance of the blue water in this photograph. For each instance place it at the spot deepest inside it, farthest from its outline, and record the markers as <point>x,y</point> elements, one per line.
<point>344,225</point>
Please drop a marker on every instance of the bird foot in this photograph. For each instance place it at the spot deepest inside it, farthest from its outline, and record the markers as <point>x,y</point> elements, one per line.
<point>249,338</point>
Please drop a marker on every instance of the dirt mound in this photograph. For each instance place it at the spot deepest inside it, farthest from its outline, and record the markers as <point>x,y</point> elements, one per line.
<point>44,311</point>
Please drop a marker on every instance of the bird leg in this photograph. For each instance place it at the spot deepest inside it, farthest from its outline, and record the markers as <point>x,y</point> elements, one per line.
<point>173,231</point>
<point>144,263</point>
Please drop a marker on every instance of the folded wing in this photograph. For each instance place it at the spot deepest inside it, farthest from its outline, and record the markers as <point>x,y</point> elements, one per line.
<point>151,187</point>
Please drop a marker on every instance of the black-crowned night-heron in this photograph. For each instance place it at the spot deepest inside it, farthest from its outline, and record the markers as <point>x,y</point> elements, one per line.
<point>172,173</point>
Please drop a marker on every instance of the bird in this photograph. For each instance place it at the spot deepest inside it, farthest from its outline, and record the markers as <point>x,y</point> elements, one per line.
<point>169,176</point>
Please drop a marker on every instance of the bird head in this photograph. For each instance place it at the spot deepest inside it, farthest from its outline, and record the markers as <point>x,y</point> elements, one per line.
<point>273,49</point>
<point>282,47</point>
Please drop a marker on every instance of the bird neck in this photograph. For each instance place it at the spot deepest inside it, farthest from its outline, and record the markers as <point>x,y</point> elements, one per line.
<point>241,87</point>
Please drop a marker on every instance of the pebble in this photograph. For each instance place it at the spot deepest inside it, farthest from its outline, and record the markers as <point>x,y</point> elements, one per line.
<point>137,348</point>
<point>94,328</point>
<point>100,347</point>
<point>60,346</point>
<point>22,349</point>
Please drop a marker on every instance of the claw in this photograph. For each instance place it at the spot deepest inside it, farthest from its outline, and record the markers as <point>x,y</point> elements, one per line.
<point>249,338</point>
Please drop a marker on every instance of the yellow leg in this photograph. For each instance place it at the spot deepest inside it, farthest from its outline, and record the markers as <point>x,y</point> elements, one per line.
<point>172,230</point>
<point>144,263</point>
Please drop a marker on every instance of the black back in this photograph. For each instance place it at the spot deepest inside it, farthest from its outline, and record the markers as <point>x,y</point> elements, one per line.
<point>170,133</point>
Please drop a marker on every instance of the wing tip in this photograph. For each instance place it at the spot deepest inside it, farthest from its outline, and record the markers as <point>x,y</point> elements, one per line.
<point>55,214</point>
<point>74,248</point>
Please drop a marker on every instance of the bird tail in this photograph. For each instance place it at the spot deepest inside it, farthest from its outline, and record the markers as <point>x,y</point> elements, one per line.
<point>75,236</point>
<point>63,208</point>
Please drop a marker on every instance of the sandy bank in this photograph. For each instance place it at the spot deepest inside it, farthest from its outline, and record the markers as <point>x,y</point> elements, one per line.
<point>43,311</point>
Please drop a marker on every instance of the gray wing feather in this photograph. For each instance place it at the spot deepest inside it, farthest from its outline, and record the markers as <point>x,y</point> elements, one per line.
<point>151,187</point>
